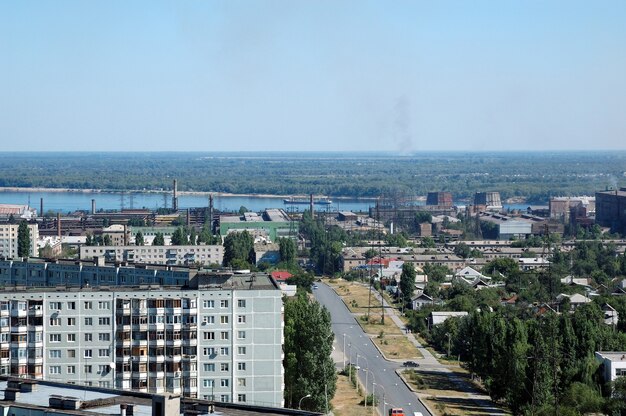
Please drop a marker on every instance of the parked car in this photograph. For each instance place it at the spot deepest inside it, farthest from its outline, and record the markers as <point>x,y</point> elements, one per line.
<point>410,364</point>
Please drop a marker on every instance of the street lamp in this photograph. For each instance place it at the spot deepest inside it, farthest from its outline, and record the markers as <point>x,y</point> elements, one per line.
<point>344,351</point>
<point>384,394</point>
<point>367,371</point>
<point>366,374</point>
<point>300,402</point>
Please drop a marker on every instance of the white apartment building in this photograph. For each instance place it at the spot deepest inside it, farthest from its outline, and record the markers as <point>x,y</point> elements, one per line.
<point>219,339</point>
<point>8,239</point>
<point>168,255</point>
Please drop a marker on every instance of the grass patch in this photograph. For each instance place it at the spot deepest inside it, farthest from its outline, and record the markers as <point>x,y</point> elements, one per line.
<point>356,296</point>
<point>397,346</point>
<point>346,400</point>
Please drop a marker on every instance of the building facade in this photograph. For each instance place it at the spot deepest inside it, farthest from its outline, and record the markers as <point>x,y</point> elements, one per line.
<point>220,338</point>
<point>8,239</point>
<point>169,255</point>
<point>611,209</point>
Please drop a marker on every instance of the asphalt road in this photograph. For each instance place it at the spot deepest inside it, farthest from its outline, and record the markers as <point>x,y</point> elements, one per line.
<point>359,346</point>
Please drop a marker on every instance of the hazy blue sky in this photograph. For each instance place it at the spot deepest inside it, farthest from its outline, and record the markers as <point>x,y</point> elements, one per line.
<point>403,76</point>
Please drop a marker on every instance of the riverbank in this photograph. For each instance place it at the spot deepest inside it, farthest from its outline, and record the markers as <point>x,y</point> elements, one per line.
<point>169,191</point>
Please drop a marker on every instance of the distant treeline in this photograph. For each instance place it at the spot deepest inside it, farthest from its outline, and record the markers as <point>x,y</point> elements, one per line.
<point>535,176</point>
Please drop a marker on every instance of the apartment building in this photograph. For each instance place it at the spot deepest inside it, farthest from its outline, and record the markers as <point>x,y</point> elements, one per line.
<point>218,338</point>
<point>169,255</point>
<point>8,239</point>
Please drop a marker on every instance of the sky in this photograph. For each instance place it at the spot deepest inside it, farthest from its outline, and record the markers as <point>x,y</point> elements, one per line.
<point>318,75</point>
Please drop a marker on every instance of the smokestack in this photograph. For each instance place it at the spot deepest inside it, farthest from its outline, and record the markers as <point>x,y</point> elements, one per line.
<point>93,206</point>
<point>188,217</point>
<point>174,197</point>
<point>311,204</point>
<point>125,235</point>
<point>59,225</point>
<point>211,212</point>
<point>41,207</point>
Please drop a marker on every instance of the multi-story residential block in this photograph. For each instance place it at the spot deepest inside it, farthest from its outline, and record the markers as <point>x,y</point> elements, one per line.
<point>169,255</point>
<point>219,337</point>
<point>8,239</point>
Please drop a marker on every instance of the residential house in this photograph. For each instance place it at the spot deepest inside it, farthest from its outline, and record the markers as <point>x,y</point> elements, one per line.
<point>436,318</point>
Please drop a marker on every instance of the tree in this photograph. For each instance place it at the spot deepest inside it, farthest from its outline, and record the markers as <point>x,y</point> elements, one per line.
<point>106,240</point>
<point>23,240</point>
<point>158,240</point>
<point>308,370</point>
<point>428,242</point>
<point>287,250</point>
<point>407,281</point>
<point>462,250</point>
<point>139,239</point>
<point>179,237</point>
<point>193,237</point>
<point>238,246</point>
<point>243,210</point>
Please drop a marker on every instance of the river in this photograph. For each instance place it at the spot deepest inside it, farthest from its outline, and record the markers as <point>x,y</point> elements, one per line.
<point>67,201</point>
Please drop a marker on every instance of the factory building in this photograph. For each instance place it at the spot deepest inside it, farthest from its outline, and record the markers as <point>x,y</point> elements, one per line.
<point>271,224</point>
<point>488,201</point>
<point>611,209</point>
<point>443,199</point>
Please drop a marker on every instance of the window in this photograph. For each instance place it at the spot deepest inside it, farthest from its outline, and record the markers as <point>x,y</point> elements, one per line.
<point>88,337</point>
<point>241,382</point>
<point>224,367</point>
<point>103,352</point>
<point>71,321</point>
<point>71,305</point>
<point>224,335</point>
<point>87,305</point>
<point>241,334</point>
<point>88,369</point>
<point>224,397</point>
<point>103,369</point>
<point>71,337</point>
<point>224,319</point>
<point>224,382</point>
<point>54,353</point>
<point>208,351</point>
<point>55,306</point>
<point>55,337</point>
<point>55,321</point>
<point>241,319</point>
<point>71,353</point>
<point>55,369</point>
<point>209,335</point>
<point>224,351</point>
<point>241,350</point>
<point>207,382</point>
<point>104,336</point>
<point>209,367</point>
<point>241,397</point>
<point>241,366</point>
<point>71,369</point>
<point>104,321</point>
<point>208,319</point>
<point>88,354</point>
<point>89,321</point>
<point>224,303</point>
<point>104,305</point>
<point>208,304</point>
<point>241,303</point>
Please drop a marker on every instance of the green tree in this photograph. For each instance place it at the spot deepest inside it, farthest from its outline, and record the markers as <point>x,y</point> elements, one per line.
<point>139,241</point>
<point>159,240</point>
<point>179,237</point>
<point>407,281</point>
<point>238,246</point>
<point>106,240</point>
<point>193,237</point>
<point>428,242</point>
<point>243,210</point>
<point>23,240</point>
<point>287,250</point>
<point>462,250</point>
<point>308,370</point>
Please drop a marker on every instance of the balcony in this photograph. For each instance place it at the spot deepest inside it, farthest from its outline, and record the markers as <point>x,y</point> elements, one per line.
<point>36,310</point>
<point>19,312</point>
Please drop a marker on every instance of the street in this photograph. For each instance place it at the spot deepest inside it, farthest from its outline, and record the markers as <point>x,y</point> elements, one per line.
<point>360,351</point>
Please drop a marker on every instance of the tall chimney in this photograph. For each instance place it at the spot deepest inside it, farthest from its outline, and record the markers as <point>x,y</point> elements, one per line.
<point>93,206</point>
<point>311,204</point>
<point>41,207</point>
<point>174,197</point>
<point>188,217</point>
<point>211,212</point>
<point>125,235</point>
<point>59,225</point>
